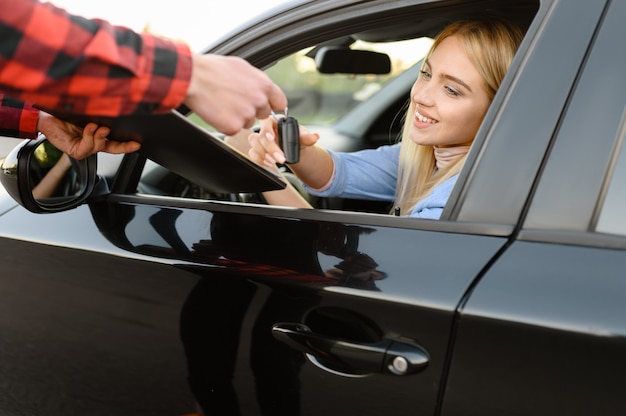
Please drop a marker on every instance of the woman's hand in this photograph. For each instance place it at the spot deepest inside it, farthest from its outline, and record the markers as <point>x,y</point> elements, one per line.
<point>78,142</point>
<point>264,148</point>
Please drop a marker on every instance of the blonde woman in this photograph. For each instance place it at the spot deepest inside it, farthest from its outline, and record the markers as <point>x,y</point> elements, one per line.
<point>448,101</point>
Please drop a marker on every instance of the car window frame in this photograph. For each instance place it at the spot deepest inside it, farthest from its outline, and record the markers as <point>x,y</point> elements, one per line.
<point>570,195</point>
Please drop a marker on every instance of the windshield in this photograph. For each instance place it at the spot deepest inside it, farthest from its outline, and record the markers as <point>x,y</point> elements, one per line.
<point>322,99</point>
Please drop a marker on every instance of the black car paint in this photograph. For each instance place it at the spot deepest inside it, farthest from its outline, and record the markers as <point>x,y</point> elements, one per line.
<point>518,314</point>
<point>287,260</point>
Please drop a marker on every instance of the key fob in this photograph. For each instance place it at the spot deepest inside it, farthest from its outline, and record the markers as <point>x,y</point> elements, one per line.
<point>289,138</point>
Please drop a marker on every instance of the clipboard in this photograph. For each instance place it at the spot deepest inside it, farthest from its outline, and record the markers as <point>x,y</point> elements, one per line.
<point>185,148</point>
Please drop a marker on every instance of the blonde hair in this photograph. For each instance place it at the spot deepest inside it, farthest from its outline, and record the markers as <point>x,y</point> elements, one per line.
<point>490,44</point>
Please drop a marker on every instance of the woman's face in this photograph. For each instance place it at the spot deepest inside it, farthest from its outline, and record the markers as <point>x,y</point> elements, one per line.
<point>449,98</point>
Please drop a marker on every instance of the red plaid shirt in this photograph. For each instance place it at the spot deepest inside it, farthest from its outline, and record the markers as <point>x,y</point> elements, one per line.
<point>55,59</point>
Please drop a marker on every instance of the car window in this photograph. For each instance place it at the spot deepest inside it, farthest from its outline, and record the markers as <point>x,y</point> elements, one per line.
<point>612,217</point>
<point>581,187</point>
<point>315,99</point>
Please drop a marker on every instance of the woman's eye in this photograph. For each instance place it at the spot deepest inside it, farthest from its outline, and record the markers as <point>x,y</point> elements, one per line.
<point>451,91</point>
<point>425,74</point>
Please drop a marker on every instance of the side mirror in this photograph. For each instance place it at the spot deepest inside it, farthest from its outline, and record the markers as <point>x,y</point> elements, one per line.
<point>43,179</point>
<point>338,60</point>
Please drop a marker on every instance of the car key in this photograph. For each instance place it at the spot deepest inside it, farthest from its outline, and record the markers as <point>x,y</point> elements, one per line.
<point>289,138</point>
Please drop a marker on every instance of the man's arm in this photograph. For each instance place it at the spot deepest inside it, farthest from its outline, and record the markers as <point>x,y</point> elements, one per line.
<point>58,60</point>
<point>55,59</point>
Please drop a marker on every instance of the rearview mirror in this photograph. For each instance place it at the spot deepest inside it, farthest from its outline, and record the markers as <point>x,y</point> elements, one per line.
<point>42,179</point>
<point>340,60</point>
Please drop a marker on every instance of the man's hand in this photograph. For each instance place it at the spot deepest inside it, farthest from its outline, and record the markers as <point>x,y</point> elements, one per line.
<point>78,142</point>
<point>230,94</point>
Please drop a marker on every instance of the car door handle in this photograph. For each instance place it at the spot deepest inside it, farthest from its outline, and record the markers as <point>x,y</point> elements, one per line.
<point>352,358</point>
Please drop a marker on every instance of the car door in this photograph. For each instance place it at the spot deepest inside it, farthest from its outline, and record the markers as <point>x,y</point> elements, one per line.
<point>313,312</point>
<point>304,312</point>
<point>543,330</point>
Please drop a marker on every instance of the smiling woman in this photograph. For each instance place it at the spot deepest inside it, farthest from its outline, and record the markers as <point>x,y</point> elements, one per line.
<point>447,104</point>
<point>157,17</point>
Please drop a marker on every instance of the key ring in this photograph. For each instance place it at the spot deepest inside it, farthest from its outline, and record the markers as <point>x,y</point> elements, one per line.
<point>276,115</point>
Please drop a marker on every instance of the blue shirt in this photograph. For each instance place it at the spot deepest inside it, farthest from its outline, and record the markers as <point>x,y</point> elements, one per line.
<point>372,174</point>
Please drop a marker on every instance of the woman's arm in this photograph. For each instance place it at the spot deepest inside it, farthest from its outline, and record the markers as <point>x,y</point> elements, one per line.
<point>51,180</point>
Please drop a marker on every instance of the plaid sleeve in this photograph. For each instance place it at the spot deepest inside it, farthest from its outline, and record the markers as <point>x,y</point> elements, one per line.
<point>17,119</point>
<point>55,59</point>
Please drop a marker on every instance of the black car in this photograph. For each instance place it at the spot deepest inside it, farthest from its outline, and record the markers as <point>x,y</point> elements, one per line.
<point>161,283</point>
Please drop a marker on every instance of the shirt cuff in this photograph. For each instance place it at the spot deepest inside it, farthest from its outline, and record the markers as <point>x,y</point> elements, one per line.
<point>28,123</point>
